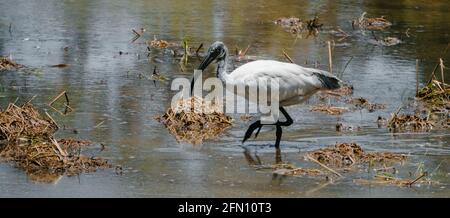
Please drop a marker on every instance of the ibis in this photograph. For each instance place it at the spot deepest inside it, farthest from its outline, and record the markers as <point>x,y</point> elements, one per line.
<point>296,83</point>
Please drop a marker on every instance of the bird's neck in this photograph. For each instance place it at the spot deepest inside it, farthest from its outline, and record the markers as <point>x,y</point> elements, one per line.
<point>221,72</point>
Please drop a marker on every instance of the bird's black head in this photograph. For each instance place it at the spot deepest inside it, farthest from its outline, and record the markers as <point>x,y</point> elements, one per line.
<point>217,51</point>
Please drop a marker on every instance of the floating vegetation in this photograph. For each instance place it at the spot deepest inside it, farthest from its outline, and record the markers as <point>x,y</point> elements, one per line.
<point>28,142</point>
<point>364,103</point>
<point>297,26</point>
<point>384,157</point>
<point>390,180</point>
<point>7,63</point>
<point>348,154</point>
<point>387,41</point>
<point>67,108</point>
<point>328,109</point>
<point>157,43</point>
<point>340,127</point>
<point>292,170</point>
<point>409,123</point>
<point>340,155</point>
<point>193,120</point>
<point>288,22</point>
<point>436,94</point>
<point>378,23</point>
<point>158,77</point>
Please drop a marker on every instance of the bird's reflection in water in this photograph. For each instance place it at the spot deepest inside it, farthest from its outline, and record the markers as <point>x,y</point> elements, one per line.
<point>255,161</point>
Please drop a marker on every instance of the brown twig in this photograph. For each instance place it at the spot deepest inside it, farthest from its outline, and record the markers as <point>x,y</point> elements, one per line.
<point>245,51</point>
<point>323,165</point>
<point>441,63</point>
<point>287,56</point>
<point>437,65</point>
<point>198,49</point>
<point>330,58</point>
<point>417,77</point>
<point>57,97</point>
<point>51,118</point>
<point>418,178</point>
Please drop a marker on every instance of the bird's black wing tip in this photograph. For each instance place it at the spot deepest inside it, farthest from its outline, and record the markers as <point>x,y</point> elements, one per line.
<point>328,81</point>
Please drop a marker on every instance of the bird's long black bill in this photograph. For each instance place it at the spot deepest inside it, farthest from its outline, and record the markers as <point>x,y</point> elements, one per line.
<point>203,65</point>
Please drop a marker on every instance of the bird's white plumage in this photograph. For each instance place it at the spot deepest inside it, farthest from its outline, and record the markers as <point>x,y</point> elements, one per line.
<point>296,83</point>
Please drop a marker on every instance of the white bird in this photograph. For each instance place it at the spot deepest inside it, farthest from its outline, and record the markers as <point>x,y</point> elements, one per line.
<point>296,83</point>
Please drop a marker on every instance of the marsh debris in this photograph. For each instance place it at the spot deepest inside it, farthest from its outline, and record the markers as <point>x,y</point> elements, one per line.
<point>298,26</point>
<point>328,109</point>
<point>387,41</point>
<point>390,180</point>
<point>16,122</point>
<point>292,170</point>
<point>436,94</point>
<point>377,23</point>
<point>341,127</point>
<point>7,63</point>
<point>194,120</point>
<point>158,43</point>
<point>361,103</point>
<point>348,154</point>
<point>409,123</point>
<point>384,157</point>
<point>67,108</point>
<point>28,141</point>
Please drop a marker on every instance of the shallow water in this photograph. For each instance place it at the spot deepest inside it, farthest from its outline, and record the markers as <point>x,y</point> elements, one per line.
<point>104,86</point>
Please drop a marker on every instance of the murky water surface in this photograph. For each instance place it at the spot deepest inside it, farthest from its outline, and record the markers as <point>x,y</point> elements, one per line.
<point>106,87</point>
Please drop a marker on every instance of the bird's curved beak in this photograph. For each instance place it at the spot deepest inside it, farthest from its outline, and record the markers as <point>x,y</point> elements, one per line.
<point>210,57</point>
<point>207,60</point>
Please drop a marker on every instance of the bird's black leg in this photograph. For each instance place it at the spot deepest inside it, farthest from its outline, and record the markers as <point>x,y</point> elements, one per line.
<point>278,124</point>
<point>278,135</point>
<point>278,159</point>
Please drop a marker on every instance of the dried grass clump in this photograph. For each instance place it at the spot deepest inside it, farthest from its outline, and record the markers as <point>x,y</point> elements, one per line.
<point>364,103</point>
<point>25,121</point>
<point>193,120</point>
<point>292,170</point>
<point>383,157</point>
<point>347,154</point>
<point>388,180</point>
<point>297,26</point>
<point>328,109</point>
<point>28,141</point>
<point>409,123</point>
<point>7,63</point>
<point>340,155</point>
<point>436,94</point>
<point>389,41</point>
<point>43,155</point>
<point>378,23</point>
<point>158,43</point>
